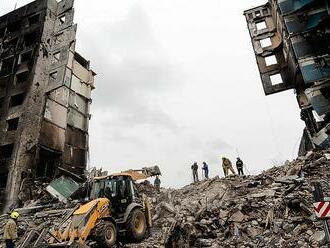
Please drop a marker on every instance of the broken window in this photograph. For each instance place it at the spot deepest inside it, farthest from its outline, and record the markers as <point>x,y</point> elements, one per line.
<point>3,82</point>
<point>59,38</point>
<point>265,42</point>
<point>34,19</point>
<point>12,124</point>
<point>48,163</point>
<point>25,57</point>
<point>2,32</point>
<point>80,59</point>
<point>17,100</point>
<point>14,27</point>
<point>7,65</point>
<point>56,57</point>
<point>3,179</point>
<point>271,60</point>
<point>317,117</point>
<point>6,151</point>
<point>22,77</point>
<point>276,79</point>
<point>53,75</point>
<point>31,39</point>
<point>258,13</point>
<point>10,44</point>
<point>261,25</point>
<point>62,19</point>
<point>2,100</point>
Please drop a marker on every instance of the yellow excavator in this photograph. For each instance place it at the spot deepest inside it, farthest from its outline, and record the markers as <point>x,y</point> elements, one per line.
<point>115,209</point>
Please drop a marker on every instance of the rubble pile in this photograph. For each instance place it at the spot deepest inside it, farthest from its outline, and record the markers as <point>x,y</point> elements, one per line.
<point>273,209</point>
<point>35,221</point>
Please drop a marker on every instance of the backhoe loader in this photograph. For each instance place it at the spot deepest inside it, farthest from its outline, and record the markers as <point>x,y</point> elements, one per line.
<point>115,209</point>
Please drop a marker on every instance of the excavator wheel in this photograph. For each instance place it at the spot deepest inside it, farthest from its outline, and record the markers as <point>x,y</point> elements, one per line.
<point>105,234</point>
<point>136,225</point>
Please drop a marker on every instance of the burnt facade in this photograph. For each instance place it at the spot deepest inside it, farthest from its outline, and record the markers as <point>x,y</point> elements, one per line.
<point>45,95</point>
<point>291,40</point>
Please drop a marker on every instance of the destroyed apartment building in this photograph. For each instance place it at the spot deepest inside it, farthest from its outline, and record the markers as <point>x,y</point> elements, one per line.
<point>45,95</point>
<point>291,43</point>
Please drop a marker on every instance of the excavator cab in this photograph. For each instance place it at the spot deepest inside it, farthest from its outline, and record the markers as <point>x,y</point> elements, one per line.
<point>115,209</point>
<point>120,190</point>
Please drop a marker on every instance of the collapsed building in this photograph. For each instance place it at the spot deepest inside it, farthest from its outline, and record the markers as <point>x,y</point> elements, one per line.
<point>291,43</point>
<point>45,95</point>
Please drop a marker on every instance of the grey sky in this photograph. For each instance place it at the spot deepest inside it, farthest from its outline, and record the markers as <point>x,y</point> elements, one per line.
<point>177,83</point>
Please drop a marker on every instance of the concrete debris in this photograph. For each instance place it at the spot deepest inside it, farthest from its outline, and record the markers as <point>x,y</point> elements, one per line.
<point>252,211</point>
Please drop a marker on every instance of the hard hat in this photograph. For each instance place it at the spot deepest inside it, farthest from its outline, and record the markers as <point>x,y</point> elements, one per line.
<point>14,215</point>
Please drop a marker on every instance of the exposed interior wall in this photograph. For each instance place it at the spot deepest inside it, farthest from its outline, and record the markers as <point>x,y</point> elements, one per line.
<point>296,56</point>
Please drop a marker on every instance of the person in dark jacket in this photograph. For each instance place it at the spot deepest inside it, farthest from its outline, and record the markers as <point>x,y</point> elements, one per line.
<point>239,166</point>
<point>194,169</point>
<point>205,168</point>
<point>157,184</point>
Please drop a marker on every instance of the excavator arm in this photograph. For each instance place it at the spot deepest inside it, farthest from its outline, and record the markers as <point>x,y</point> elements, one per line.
<point>140,174</point>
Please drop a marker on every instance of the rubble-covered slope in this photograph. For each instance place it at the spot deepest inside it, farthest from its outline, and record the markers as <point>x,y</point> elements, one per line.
<point>273,209</point>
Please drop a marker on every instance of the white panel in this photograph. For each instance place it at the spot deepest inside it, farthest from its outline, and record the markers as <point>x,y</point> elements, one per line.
<point>55,113</point>
<point>76,119</point>
<point>80,87</point>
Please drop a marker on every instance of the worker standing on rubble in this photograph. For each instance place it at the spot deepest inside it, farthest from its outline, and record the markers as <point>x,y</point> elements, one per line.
<point>205,168</point>
<point>194,169</point>
<point>157,184</point>
<point>226,165</point>
<point>10,232</point>
<point>239,166</point>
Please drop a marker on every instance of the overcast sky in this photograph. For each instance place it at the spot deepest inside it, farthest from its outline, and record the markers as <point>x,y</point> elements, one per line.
<point>178,82</point>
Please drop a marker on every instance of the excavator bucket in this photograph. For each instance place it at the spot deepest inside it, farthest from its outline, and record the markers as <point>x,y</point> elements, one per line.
<point>151,171</point>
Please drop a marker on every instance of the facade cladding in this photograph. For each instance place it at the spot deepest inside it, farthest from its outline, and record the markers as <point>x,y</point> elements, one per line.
<point>45,96</point>
<point>291,40</point>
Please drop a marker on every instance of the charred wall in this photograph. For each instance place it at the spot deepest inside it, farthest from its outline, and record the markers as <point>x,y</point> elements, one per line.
<point>45,94</point>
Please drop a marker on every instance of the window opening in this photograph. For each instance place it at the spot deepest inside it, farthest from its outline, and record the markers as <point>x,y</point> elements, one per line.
<point>56,57</point>
<point>25,57</point>
<point>2,32</point>
<point>48,163</point>
<point>13,27</point>
<point>10,43</point>
<point>62,19</point>
<point>12,124</point>
<point>276,79</point>
<point>17,100</point>
<point>2,100</point>
<point>30,39</point>
<point>34,19</point>
<point>3,82</point>
<point>271,60</point>
<point>261,25</point>
<point>22,77</point>
<point>53,75</point>
<point>265,42</point>
<point>7,65</point>
<point>6,151</point>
